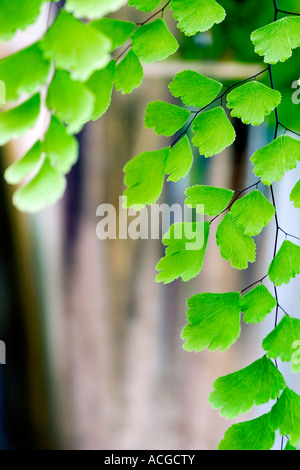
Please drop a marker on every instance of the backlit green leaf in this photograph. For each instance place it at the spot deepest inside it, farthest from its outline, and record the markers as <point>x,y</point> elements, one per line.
<point>17,14</point>
<point>144,176</point>
<point>289,446</point>
<point>35,70</point>
<point>213,132</point>
<point>101,84</point>
<point>285,415</point>
<point>234,244</point>
<point>256,434</point>
<point>117,31</point>
<point>295,195</point>
<point>272,161</point>
<point>144,5</point>
<point>276,41</point>
<point>257,303</point>
<point>180,160</point>
<point>252,102</point>
<point>282,341</point>
<point>16,121</point>
<point>186,244</point>
<point>71,101</point>
<point>210,200</point>
<point>286,264</point>
<point>252,212</point>
<point>60,147</point>
<point>153,41</point>
<point>214,321</point>
<point>93,8</point>
<point>194,89</point>
<point>75,46</point>
<point>45,188</point>
<point>256,384</point>
<point>129,73</point>
<point>195,16</point>
<point>16,172</point>
<point>165,118</point>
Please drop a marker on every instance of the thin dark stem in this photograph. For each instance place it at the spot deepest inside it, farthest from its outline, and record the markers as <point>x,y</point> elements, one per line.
<point>276,9</point>
<point>272,191</point>
<point>289,130</point>
<point>253,283</point>
<point>288,234</point>
<point>234,199</point>
<point>143,23</point>
<point>289,12</point>
<point>229,87</point>
<point>283,310</point>
<point>278,228</point>
<point>161,10</point>
<point>123,52</point>
<point>220,97</point>
<point>276,221</point>
<point>276,112</point>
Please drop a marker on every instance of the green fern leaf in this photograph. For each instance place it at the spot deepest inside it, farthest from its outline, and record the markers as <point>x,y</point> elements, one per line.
<point>18,14</point>
<point>101,84</point>
<point>144,176</point>
<point>257,304</point>
<point>71,101</point>
<point>153,41</point>
<point>252,102</point>
<point>256,434</point>
<point>234,244</point>
<point>16,121</point>
<point>75,46</point>
<point>60,147</point>
<point>93,8</point>
<point>194,89</point>
<point>144,5</point>
<point>295,195</point>
<point>208,199</point>
<point>195,16</point>
<point>289,446</point>
<point>18,170</point>
<point>129,73</point>
<point>214,321</point>
<point>35,70</point>
<point>180,160</point>
<point>252,212</point>
<point>280,343</point>
<point>272,161</point>
<point>286,264</point>
<point>165,118</point>
<point>45,188</point>
<point>257,384</point>
<point>285,415</point>
<point>117,31</point>
<point>276,41</point>
<point>186,245</point>
<point>213,132</point>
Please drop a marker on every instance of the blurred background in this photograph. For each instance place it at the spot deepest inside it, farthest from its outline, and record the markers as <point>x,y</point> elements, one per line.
<point>94,358</point>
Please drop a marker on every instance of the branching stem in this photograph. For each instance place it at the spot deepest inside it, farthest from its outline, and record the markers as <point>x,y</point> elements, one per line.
<point>235,198</point>
<point>160,11</point>
<point>220,97</point>
<point>253,283</point>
